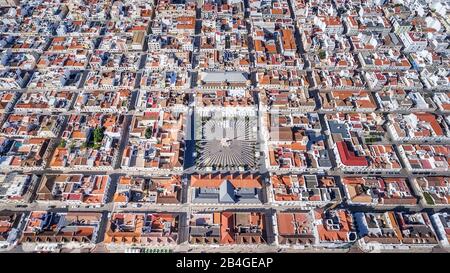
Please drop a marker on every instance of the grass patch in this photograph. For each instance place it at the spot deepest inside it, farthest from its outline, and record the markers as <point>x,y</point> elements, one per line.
<point>428,198</point>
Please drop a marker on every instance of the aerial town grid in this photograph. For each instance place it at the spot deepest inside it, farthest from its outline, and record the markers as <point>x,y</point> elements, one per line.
<point>224,126</point>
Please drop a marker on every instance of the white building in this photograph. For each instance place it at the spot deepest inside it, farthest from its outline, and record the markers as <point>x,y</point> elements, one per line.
<point>413,42</point>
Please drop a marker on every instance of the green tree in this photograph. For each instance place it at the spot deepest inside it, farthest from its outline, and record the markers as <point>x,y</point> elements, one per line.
<point>148,132</point>
<point>98,134</point>
<point>62,144</point>
<point>322,54</point>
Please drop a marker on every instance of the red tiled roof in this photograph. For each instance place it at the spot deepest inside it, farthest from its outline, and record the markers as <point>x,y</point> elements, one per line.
<point>349,158</point>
